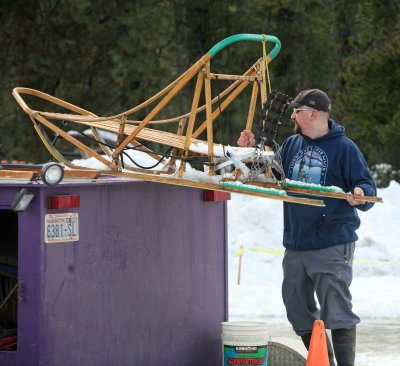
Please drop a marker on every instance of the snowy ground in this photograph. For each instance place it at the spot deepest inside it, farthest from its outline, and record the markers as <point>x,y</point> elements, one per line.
<point>256,224</point>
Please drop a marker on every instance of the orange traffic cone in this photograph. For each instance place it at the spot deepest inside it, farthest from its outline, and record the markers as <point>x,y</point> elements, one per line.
<point>318,351</point>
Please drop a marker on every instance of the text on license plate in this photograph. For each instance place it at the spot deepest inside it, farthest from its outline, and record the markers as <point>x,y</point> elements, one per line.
<point>60,228</point>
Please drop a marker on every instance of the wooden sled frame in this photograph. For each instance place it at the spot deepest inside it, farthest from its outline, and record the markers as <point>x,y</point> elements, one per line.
<point>132,132</point>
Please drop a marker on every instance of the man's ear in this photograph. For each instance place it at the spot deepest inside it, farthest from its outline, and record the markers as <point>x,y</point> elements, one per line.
<point>314,115</point>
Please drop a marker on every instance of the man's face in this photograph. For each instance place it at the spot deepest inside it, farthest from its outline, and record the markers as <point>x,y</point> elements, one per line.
<point>300,116</point>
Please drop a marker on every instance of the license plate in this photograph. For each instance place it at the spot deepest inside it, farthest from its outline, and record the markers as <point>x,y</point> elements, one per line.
<point>61,228</point>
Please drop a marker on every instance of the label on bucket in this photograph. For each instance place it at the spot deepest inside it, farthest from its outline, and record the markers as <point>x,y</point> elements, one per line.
<point>245,355</point>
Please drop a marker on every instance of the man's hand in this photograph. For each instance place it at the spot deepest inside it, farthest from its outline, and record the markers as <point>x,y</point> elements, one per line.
<point>352,201</point>
<point>246,139</point>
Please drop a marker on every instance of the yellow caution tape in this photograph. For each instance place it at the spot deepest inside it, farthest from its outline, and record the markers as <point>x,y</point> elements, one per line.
<point>280,253</point>
<point>260,250</point>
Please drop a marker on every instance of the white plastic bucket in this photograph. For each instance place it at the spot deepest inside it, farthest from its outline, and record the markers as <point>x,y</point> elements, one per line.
<point>245,343</point>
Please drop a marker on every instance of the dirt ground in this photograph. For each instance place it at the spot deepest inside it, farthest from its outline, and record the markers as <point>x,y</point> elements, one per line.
<point>377,343</point>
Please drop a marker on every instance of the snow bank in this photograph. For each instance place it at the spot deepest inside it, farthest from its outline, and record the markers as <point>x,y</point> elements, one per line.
<point>258,223</point>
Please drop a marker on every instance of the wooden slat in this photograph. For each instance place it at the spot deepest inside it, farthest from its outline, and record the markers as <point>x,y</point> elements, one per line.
<point>231,77</point>
<point>193,112</point>
<point>146,134</point>
<point>314,192</point>
<point>252,107</point>
<point>25,175</point>
<point>263,84</point>
<point>343,196</point>
<point>214,187</point>
<point>81,174</point>
<point>192,118</point>
<point>209,120</point>
<point>175,150</point>
<point>120,137</point>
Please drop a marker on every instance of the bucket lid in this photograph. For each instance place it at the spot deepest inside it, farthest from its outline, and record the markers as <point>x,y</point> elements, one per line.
<point>244,327</point>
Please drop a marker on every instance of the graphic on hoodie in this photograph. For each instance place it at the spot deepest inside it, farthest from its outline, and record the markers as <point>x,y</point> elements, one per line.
<point>309,165</point>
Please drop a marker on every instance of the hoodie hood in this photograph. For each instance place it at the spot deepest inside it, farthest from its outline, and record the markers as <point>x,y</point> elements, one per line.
<point>335,130</point>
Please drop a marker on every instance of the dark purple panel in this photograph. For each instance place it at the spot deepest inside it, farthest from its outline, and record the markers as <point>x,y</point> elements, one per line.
<point>145,285</point>
<point>29,257</point>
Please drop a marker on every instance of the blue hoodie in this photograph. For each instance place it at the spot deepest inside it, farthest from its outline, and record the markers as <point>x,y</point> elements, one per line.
<point>329,160</point>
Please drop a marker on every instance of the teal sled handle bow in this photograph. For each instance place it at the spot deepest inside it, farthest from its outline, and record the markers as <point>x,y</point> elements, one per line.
<point>247,37</point>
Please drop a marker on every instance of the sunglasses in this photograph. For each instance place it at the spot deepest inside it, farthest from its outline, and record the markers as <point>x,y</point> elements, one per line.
<point>298,110</point>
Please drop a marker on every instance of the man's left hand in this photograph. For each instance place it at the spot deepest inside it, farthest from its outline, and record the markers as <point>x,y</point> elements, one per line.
<point>353,202</point>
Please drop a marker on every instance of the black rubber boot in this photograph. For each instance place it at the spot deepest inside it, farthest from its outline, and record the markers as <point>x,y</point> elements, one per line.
<point>307,340</point>
<point>344,344</point>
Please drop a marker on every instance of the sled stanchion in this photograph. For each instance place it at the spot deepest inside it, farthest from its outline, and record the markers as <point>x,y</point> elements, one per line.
<point>209,119</point>
<point>223,106</point>
<point>175,151</point>
<point>253,103</point>
<point>192,118</point>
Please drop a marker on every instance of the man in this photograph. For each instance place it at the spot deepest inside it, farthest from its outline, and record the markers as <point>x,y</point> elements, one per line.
<point>320,241</point>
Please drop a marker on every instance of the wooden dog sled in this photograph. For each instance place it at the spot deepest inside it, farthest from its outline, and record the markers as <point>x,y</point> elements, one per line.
<point>185,143</point>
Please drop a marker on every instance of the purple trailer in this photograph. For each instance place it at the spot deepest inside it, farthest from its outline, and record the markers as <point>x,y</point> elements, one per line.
<point>120,273</point>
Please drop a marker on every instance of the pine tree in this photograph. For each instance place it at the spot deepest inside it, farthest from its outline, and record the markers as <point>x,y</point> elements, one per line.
<point>371,77</point>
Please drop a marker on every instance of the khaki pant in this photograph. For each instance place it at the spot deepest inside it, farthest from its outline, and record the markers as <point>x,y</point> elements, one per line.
<point>326,273</point>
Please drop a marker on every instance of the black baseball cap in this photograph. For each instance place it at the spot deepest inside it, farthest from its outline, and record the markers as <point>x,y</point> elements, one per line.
<point>313,98</point>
